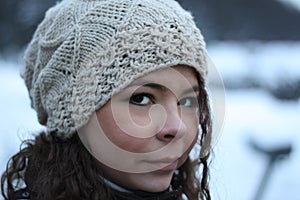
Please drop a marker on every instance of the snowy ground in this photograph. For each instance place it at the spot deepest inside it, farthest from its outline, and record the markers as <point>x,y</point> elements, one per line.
<point>250,114</point>
<point>255,114</point>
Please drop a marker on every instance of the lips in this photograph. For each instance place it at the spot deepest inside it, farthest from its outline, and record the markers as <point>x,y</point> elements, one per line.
<point>166,165</point>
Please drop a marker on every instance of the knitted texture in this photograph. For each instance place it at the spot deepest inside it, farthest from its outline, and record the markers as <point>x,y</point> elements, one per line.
<point>84,51</point>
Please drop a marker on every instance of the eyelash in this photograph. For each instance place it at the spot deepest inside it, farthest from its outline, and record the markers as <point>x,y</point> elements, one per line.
<point>193,100</point>
<point>133,101</point>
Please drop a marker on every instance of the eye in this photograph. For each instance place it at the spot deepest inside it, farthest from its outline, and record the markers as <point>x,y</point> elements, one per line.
<point>140,99</point>
<point>189,102</point>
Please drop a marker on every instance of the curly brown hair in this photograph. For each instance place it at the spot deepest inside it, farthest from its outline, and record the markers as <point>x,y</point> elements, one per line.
<point>54,169</point>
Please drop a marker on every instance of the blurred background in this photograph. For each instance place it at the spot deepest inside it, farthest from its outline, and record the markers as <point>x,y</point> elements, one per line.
<point>255,46</point>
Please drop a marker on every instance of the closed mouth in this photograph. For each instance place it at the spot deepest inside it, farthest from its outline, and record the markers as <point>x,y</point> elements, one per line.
<point>165,165</point>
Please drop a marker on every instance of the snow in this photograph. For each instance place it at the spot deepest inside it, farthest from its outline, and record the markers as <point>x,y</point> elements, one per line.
<point>18,120</point>
<point>253,114</point>
<point>236,169</point>
<point>265,61</point>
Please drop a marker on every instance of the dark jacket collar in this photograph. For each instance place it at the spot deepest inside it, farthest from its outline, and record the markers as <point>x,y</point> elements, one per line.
<point>135,195</point>
<point>140,195</point>
<point>121,193</point>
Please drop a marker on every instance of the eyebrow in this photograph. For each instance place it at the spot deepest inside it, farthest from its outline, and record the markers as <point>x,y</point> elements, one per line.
<point>163,88</point>
<point>155,86</point>
<point>190,90</point>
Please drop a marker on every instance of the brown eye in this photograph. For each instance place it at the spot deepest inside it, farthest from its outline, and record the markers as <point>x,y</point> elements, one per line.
<point>140,99</point>
<point>189,102</point>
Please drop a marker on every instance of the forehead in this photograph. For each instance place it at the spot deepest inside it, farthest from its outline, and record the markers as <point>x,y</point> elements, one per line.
<point>177,76</point>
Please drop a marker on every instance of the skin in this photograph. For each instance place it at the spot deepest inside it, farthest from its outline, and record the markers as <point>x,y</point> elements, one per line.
<point>154,111</point>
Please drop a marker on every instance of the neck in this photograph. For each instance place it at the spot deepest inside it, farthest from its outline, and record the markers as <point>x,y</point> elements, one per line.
<point>116,187</point>
<point>121,193</point>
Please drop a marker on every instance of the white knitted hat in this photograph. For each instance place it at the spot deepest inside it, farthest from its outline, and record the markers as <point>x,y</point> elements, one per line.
<point>84,51</point>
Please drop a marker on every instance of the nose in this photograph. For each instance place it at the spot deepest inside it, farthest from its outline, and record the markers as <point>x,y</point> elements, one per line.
<point>173,126</point>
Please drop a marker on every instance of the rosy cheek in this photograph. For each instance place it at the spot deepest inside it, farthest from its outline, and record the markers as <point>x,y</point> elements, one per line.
<point>139,116</point>
<point>144,122</point>
<point>120,135</point>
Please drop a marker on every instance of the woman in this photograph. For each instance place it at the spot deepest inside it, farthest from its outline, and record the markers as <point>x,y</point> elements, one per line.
<point>120,87</point>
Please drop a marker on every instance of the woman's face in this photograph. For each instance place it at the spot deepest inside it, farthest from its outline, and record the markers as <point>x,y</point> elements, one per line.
<point>155,120</point>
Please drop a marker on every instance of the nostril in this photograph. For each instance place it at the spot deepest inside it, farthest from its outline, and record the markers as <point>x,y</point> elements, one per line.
<point>169,136</point>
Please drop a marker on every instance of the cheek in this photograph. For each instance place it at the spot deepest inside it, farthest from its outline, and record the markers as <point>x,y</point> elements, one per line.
<point>139,122</point>
<point>122,130</point>
<point>183,158</point>
<point>139,116</point>
<point>192,123</point>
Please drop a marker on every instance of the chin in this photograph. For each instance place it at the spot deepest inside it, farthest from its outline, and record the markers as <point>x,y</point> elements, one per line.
<point>159,188</point>
<point>157,185</point>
